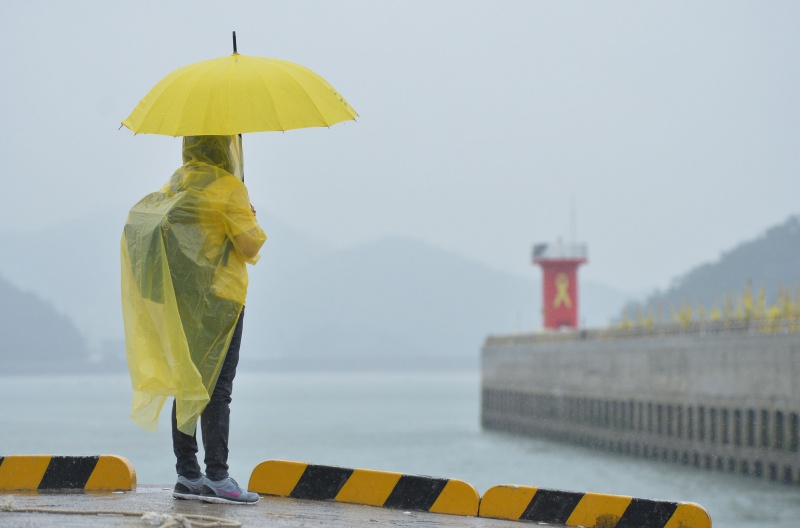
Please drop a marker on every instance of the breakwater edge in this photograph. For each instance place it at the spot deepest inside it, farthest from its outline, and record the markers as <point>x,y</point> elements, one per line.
<point>714,397</point>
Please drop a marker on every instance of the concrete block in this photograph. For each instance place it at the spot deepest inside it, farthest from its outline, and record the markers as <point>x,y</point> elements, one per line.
<point>300,480</point>
<point>52,472</point>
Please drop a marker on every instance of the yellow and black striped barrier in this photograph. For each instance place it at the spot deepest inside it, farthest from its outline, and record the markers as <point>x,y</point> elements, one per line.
<point>524,503</point>
<point>48,472</point>
<point>299,480</point>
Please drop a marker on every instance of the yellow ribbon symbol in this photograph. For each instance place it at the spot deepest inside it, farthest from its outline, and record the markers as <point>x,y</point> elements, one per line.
<point>562,296</point>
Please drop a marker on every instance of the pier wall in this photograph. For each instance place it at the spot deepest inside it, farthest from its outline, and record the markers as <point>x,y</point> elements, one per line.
<point>727,401</point>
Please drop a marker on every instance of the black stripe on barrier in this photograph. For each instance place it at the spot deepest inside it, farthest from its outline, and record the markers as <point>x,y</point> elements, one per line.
<point>321,482</point>
<point>551,506</point>
<point>65,472</point>
<point>415,493</point>
<point>645,512</point>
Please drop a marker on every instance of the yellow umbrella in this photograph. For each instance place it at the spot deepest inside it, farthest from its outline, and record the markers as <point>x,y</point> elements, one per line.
<point>238,94</point>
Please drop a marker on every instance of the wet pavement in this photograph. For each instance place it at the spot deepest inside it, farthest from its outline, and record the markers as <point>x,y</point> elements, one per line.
<point>269,512</point>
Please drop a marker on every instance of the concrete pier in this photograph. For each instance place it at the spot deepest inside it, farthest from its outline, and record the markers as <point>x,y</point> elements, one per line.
<point>102,489</point>
<point>724,399</point>
<point>270,511</point>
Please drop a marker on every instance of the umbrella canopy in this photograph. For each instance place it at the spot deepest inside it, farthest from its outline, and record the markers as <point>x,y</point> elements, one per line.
<point>238,94</point>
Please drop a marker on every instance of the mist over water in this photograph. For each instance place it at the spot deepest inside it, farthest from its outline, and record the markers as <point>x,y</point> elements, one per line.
<point>416,423</point>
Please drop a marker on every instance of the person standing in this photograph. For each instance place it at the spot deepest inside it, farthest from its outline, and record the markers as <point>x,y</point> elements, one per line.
<point>184,252</point>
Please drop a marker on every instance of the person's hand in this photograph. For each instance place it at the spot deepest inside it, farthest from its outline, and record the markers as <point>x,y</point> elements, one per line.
<point>253,209</point>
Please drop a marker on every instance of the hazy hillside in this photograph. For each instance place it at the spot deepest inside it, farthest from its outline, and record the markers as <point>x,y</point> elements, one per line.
<point>394,301</point>
<point>769,261</point>
<point>34,336</point>
<point>391,303</point>
<point>75,267</point>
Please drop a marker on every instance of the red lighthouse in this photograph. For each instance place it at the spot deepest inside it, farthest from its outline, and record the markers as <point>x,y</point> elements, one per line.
<point>559,264</point>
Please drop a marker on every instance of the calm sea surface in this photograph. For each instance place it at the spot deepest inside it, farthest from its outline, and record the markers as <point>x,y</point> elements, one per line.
<point>414,423</point>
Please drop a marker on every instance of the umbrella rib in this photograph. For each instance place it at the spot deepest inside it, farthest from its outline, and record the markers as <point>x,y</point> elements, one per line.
<point>322,82</point>
<point>208,73</point>
<point>199,74</point>
<point>271,100</point>
<point>156,94</point>
<point>182,106</point>
<point>289,74</point>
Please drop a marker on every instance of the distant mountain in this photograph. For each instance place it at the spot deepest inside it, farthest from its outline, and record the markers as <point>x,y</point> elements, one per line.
<point>599,304</point>
<point>392,303</point>
<point>770,261</point>
<point>75,267</point>
<point>34,337</point>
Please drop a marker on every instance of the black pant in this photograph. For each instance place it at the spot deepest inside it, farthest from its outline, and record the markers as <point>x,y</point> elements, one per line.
<point>214,422</point>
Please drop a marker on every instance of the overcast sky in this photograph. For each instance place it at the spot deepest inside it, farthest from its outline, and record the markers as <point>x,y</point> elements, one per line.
<point>673,126</point>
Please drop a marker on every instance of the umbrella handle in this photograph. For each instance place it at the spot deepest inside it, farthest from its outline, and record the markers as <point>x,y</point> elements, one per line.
<point>234,43</point>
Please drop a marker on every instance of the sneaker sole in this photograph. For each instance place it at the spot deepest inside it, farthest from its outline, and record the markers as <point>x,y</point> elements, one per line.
<point>185,496</point>
<point>223,500</point>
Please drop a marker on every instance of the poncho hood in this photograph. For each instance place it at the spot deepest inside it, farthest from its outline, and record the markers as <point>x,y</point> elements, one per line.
<point>224,152</point>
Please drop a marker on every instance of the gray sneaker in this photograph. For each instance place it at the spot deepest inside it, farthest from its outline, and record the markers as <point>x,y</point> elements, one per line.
<point>226,491</point>
<point>188,489</point>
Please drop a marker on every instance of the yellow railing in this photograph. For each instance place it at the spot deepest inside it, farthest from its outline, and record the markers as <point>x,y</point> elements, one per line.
<point>694,328</point>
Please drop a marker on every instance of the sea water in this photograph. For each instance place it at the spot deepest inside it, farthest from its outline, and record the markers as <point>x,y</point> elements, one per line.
<point>414,423</point>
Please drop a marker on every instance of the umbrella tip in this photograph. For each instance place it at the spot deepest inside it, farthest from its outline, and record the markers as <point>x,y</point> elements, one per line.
<point>234,44</point>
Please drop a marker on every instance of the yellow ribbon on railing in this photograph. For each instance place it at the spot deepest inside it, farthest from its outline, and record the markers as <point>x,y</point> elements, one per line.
<point>562,295</point>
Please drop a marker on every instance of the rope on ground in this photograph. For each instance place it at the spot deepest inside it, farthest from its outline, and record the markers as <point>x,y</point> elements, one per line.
<point>161,520</point>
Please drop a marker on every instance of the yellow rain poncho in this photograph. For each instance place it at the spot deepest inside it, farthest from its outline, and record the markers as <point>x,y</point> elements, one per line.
<point>184,279</point>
